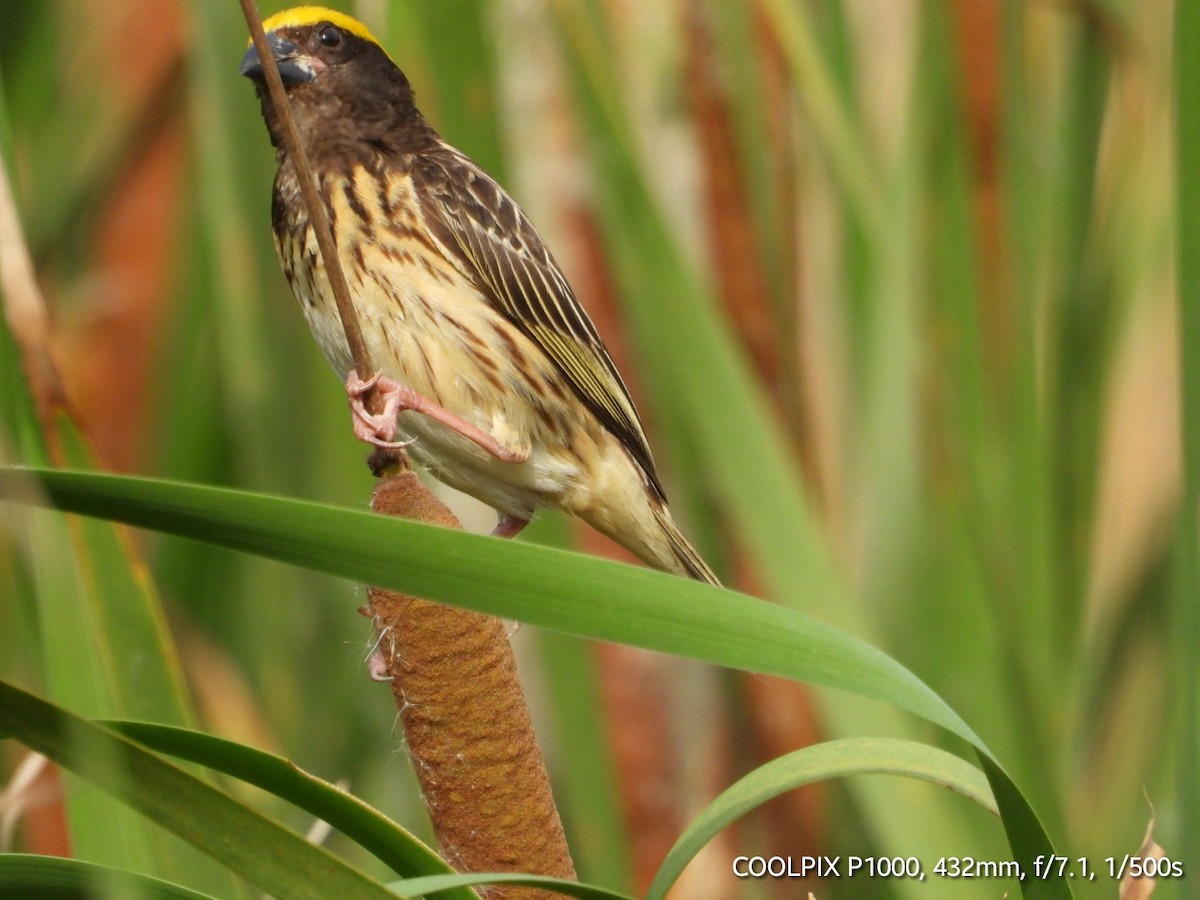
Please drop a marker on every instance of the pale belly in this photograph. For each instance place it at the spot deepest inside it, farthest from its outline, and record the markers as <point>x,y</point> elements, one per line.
<point>442,342</point>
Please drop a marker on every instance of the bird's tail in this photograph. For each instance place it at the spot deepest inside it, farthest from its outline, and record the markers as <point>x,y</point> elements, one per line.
<point>641,523</point>
<point>675,553</point>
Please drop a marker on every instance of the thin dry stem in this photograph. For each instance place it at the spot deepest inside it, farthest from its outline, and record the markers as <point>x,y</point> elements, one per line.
<point>24,306</point>
<point>317,216</point>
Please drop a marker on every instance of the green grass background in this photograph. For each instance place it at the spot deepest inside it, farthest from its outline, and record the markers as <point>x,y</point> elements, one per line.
<point>896,289</point>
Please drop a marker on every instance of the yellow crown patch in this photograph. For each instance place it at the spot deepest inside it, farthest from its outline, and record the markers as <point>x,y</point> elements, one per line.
<point>299,16</point>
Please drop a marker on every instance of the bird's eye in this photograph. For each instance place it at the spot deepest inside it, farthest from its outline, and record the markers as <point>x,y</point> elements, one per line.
<point>329,36</point>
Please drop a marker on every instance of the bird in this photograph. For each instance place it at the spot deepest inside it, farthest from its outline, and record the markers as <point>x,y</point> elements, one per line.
<point>491,373</point>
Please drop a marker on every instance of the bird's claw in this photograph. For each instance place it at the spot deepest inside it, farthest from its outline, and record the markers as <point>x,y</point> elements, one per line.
<point>397,398</point>
<point>376,429</point>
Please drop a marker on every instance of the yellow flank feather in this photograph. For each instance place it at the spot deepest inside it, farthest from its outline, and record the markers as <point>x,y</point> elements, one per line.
<point>299,16</point>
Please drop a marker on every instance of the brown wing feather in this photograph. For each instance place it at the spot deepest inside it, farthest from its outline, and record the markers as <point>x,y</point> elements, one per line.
<point>508,260</point>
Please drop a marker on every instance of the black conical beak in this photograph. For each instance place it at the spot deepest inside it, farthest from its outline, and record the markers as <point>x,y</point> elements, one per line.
<point>294,67</point>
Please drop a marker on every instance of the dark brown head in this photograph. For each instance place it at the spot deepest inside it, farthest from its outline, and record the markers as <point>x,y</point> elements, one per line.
<point>344,90</point>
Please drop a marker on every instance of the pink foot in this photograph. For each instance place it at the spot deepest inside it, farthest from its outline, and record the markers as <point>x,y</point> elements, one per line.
<point>379,430</point>
<point>375,429</point>
<point>509,526</point>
